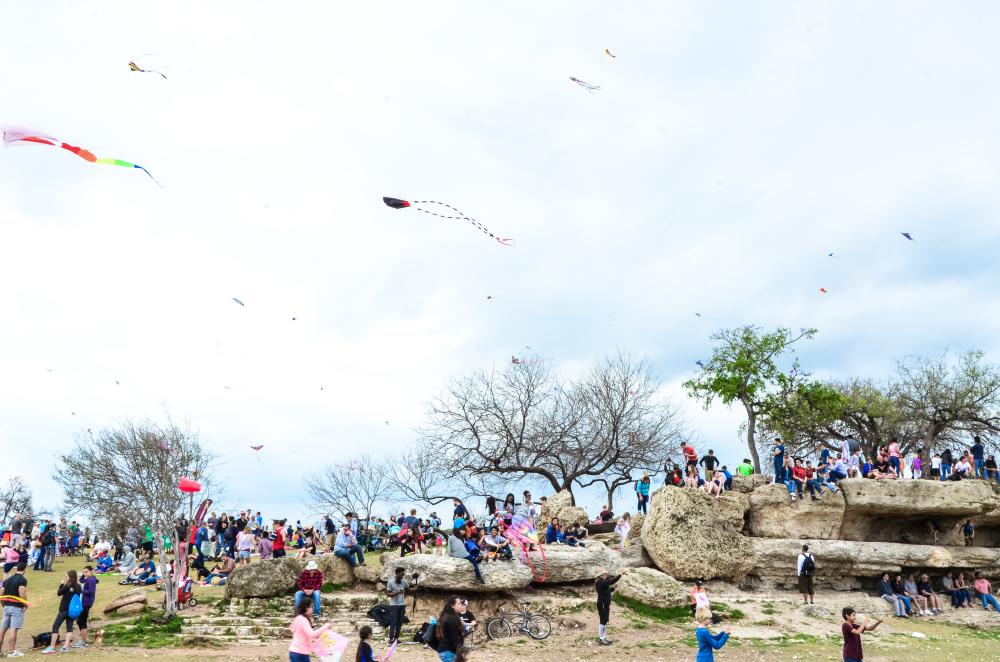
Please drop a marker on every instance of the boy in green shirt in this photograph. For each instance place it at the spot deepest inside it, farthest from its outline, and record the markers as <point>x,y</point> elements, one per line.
<point>745,469</point>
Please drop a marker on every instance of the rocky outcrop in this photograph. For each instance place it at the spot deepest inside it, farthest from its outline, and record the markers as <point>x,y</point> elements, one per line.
<point>747,484</point>
<point>445,573</point>
<point>733,506</point>
<point>274,577</point>
<point>561,505</point>
<point>652,587</point>
<point>636,556</point>
<point>867,498</point>
<point>689,538</point>
<point>773,514</point>
<point>566,565</point>
<point>136,596</point>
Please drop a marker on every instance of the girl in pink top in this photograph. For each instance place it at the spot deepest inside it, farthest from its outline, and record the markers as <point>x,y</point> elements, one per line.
<point>894,457</point>
<point>303,635</point>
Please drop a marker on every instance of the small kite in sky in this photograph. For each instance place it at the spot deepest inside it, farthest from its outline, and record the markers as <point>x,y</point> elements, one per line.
<point>396,203</point>
<point>585,85</point>
<point>17,135</point>
<point>489,297</point>
<point>822,290</point>
<point>697,314</point>
<point>239,302</point>
<point>907,235</point>
<point>700,364</point>
<point>135,67</point>
<point>831,255</point>
<point>608,53</point>
<point>257,449</point>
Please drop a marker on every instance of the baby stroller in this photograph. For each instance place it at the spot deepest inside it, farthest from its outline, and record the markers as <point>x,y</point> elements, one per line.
<point>185,596</point>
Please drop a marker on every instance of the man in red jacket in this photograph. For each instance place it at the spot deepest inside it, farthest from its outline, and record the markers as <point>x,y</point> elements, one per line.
<point>309,585</point>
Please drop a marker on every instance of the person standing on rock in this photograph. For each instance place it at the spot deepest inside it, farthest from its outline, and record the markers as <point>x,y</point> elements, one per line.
<point>778,456</point>
<point>690,454</point>
<point>978,457</point>
<point>852,634</point>
<point>642,493</point>
<point>745,469</point>
<point>396,591</point>
<point>709,461</point>
<point>806,570</point>
<point>604,585</point>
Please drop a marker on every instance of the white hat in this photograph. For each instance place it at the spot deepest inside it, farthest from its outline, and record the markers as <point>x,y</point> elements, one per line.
<point>311,565</point>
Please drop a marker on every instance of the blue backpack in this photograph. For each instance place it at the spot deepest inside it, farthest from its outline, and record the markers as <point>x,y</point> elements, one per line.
<point>75,606</point>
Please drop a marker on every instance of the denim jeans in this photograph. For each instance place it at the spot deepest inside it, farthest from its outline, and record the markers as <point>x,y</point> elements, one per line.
<point>980,468</point>
<point>446,656</point>
<point>50,556</point>
<point>945,470</point>
<point>299,595</point>
<point>897,605</point>
<point>641,507</point>
<point>894,463</point>
<point>986,597</point>
<point>350,553</point>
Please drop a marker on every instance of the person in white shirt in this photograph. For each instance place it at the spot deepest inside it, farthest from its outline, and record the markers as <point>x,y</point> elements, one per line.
<point>936,466</point>
<point>805,575</point>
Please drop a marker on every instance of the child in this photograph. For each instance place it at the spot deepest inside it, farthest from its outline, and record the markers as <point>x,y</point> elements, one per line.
<point>622,528</point>
<point>916,466</point>
<point>936,466</point>
<point>708,642</point>
<point>852,634</point>
<point>303,635</point>
<point>968,532</point>
<point>364,653</point>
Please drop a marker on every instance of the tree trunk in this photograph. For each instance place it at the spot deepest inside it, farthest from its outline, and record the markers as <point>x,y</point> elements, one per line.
<point>611,496</point>
<point>751,437</point>
<point>169,579</point>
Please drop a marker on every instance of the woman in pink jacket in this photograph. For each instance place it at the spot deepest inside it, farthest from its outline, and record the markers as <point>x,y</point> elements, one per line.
<point>303,634</point>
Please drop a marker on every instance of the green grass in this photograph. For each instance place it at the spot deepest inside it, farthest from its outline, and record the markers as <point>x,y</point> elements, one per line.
<point>731,613</point>
<point>670,615</point>
<point>145,631</point>
<point>330,587</point>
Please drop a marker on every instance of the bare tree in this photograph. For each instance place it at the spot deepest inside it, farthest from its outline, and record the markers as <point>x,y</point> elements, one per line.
<point>130,473</point>
<point>524,424</point>
<point>949,397</point>
<point>354,487</point>
<point>15,498</point>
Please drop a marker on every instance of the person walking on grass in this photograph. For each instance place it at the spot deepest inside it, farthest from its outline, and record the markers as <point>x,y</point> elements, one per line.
<point>708,643</point>
<point>852,634</point>
<point>806,570</point>
<point>14,599</point>
<point>89,584</point>
<point>303,635</point>
<point>604,585</point>
<point>68,589</point>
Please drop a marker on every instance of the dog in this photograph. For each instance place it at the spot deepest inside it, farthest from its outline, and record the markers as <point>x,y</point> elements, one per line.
<point>99,638</point>
<point>43,640</point>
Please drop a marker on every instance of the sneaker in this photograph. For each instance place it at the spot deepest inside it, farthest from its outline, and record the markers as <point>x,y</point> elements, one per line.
<point>63,650</point>
<point>15,654</point>
<point>793,496</point>
<point>604,642</point>
<point>48,651</point>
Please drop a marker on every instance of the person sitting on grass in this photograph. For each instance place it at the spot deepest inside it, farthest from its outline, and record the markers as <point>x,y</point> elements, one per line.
<point>983,590</point>
<point>708,643</point>
<point>128,561</point>
<point>221,571</point>
<point>924,589</point>
<point>104,562</point>
<point>144,573</point>
<point>852,634</point>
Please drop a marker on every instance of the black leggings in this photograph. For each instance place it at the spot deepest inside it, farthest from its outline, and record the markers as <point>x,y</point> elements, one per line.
<point>604,611</point>
<point>62,617</point>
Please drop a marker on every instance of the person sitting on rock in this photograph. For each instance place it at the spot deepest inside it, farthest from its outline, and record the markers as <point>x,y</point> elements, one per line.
<point>606,515</point>
<point>899,589</point>
<point>574,535</point>
<point>796,479</point>
<point>888,594</point>
<point>883,470</point>
<point>458,549</point>
<point>820,481</point>
<point>910,585</point>
<point>221,570</point>
<point>992,473</point>
<point>964,594</point>
<point>984,590</point>
<point>714,487</point>
<point>494,546</point>
<point>554,533</point>
<point>309,585</point>
<point>692,479</point>
<point>924,589</point>
<point>962,469</point>
<point>347,547</point>
<point>839,469</point>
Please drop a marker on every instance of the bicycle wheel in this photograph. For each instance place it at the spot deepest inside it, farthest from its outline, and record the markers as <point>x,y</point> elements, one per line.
<point>538,627</point>
<point>498,628</point>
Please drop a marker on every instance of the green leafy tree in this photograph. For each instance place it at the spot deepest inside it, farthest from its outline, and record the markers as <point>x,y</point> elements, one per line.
<point>744,368</point>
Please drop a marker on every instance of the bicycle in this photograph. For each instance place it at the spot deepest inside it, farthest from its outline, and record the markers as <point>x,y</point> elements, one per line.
<point>536,626</point>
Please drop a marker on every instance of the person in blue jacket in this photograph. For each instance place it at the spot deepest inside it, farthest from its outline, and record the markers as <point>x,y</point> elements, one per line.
<point>642,493</point>
<point>708,642</point>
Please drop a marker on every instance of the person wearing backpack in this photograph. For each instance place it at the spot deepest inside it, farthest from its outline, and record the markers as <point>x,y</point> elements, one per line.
<point>806,570</point>
<point>70,607</point>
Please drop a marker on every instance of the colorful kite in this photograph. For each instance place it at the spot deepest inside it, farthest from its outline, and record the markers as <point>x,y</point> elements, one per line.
<point>822,290</point>
<point>15,135</point>
<point>585,85</point>
<point>329,646</point>
<point>907,235</point>
<point>135,67</point>
<point>389,653</point>
<point>608,53</point>
<point>521,533</point>
<point>396,203</point>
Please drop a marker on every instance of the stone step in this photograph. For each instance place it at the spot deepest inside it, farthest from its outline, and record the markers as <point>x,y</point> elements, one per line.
<point>227,640</point>
<point>245,631</point>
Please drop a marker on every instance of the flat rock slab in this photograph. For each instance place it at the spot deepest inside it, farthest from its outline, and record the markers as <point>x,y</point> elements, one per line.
<point>445,573</point>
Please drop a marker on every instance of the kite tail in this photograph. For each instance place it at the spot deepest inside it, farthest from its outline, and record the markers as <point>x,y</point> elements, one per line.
<point>461,217</point>
<point>150,175</point>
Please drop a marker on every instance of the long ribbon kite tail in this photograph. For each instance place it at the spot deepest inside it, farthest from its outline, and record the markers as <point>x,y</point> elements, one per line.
<point>460,217</point>
<point>150,175</point>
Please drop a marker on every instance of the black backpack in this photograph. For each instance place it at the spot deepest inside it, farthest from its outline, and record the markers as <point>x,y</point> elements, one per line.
<point>808,565</point>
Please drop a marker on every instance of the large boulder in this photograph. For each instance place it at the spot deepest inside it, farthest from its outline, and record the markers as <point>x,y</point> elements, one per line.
<point>747,484</point>
<point>636,527</point>
<point>445,573</point>
<point>274,577</point>
<point>773,514</point>
<point>689,538</point>
<point>561,505</point>
<point>635,556</point>
<point>734,506</point>
<point>652,587</point>
<point>565,565</point>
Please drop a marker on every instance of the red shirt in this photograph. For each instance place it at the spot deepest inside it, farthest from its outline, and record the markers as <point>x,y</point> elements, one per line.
<point>279,541</point>
<point>311,580</point>
<point>690,454</point>
<point>799,472</point>
<point>852,643</point>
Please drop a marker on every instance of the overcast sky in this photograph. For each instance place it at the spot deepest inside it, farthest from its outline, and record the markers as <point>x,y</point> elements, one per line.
<point>731,147</point>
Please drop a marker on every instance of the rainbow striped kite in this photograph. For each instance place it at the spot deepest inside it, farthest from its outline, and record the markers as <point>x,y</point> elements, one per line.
<point>15,135</point>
